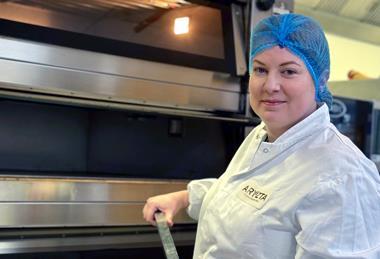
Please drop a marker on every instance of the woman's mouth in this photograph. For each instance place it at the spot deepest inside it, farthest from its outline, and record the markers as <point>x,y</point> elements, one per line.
<point>272,102</point>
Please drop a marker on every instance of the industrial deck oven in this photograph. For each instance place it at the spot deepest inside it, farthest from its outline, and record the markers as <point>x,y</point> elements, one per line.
<point>102,105</point>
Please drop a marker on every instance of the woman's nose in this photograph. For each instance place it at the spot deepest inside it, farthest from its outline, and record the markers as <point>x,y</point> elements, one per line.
<point>272,83</point>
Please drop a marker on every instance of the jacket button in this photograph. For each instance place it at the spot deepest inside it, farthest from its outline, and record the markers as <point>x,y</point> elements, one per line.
<point>265,150</point>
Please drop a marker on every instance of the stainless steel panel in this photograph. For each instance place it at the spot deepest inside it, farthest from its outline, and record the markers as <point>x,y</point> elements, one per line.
<point>133,240</point>
<point>118,88</point>
<point>367,90</point>
<point>68,214</point>
<point>33,202</point>
<point>79,190</point>
<point>40,96</point>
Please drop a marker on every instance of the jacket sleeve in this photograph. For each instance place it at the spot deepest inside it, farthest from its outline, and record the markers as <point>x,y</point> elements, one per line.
<point>197,191</point>
<point>340,218</point>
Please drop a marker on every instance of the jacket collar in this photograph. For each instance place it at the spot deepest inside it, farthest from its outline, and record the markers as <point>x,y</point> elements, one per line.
<point>313,123</point>
<point>243,161</point>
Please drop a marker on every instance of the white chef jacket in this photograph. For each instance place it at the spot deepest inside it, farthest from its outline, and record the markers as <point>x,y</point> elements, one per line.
<point>310,194</point>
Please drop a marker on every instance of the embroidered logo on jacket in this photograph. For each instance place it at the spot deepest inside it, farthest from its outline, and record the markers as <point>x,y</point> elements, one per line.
<point>253,194</point>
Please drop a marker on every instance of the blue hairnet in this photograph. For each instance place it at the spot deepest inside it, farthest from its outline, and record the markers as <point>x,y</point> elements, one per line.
<point>303,37</point>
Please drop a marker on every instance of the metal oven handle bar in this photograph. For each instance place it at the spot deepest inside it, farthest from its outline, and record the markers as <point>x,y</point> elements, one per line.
<point>166,237</point>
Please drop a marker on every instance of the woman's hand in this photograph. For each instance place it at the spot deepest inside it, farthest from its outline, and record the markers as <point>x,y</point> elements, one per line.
<point>169,204</point>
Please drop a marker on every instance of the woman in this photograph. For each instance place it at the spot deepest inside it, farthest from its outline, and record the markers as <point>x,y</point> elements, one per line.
<point>296,188</point>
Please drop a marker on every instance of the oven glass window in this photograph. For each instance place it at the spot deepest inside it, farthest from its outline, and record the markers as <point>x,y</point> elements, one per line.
<point>139,28</point>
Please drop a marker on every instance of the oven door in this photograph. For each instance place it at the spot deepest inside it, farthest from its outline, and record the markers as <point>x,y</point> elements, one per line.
<point>133,28</point>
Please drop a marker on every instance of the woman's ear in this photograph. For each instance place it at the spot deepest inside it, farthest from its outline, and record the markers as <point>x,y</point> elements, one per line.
<point>323,78</point>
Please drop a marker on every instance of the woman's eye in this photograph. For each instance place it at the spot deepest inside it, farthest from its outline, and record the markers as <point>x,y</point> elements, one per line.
<point>259,70</point>
<point>289,72</point>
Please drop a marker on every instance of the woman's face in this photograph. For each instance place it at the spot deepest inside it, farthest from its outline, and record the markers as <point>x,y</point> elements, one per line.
<point>281,89</point>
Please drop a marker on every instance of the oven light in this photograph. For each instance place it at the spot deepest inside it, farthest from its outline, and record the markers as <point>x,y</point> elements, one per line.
<point>181,25</point>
